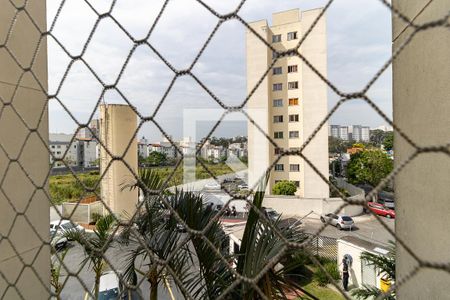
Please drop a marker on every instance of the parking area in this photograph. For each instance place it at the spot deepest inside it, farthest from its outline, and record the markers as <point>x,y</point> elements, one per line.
<point>366,227</point>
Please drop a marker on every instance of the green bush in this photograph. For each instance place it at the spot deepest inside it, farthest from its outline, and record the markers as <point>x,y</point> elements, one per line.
<point>332,269</point>
<point>284,187</point>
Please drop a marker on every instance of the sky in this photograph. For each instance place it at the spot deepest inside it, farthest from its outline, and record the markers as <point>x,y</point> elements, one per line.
<point>358,41</point>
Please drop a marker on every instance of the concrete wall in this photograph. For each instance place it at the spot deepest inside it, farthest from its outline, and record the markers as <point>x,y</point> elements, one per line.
<point>118,125</point>
<point>315,104</point>
<point>421,92</point>
<point>355,270</point>
<point>298,206</point>
<point>22,236</point>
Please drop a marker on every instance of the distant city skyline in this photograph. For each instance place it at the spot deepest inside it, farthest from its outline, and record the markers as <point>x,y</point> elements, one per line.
<point>358,45</point>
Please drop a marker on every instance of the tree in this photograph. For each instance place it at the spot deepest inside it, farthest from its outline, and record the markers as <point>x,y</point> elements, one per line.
<point>369,166</point>
<point>284,187</point>
<point>376,137</point>
<point>95,246</point>
<point>385,266</point>
<point>156,158</point>
<point>336,145</point>
<point>388,141</point>
<point>55,274</point>
<point>200,271</point>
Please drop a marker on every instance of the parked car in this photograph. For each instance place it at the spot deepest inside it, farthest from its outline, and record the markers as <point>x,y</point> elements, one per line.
<point>62,226</point>
<point>212,186</point>
<point>340,221</point>
<point>58,241</point>
<point>386,199</point>
<point>271,213</point>
<point>111,288</point>
<point>243,187</point>
<point>381,210</point>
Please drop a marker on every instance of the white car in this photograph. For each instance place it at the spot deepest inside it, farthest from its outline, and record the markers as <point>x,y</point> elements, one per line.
<point>212,186</point>
<point>62,226</point>
<point>340,221</point>
<point>111,288</point>
<point>57,240</point>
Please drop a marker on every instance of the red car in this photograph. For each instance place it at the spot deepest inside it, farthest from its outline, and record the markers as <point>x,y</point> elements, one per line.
<point>381,210</point>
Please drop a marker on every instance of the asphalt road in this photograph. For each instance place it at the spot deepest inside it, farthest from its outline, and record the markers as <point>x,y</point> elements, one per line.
<point>74,289</point>
<point>366,227</point>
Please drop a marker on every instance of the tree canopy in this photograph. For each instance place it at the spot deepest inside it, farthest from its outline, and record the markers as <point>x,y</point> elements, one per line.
<point>284,187</point>
<point>369,166</point>
<point>388,141</point>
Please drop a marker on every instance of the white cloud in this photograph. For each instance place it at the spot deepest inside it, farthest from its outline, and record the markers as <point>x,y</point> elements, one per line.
<point>359,43</point>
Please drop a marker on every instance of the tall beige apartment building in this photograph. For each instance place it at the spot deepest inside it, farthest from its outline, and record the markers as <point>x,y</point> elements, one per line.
<point>290,102</point>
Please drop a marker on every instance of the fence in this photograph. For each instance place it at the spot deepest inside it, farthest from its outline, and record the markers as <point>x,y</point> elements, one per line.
<point>322,246</point>
<point>420,28</point>
<point>82,212</point>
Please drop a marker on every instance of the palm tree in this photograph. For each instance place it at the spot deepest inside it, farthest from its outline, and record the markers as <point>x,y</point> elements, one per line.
<point>385,264</point>
<point>95,246</point>
<point>203,272</point>
<point>155,238</point>
<point>55,274</point>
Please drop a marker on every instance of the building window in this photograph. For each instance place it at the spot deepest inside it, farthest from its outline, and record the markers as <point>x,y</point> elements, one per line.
<point>276,181</point>
<point>292,69</point>
<point>277,102</point>
<point>279,167</point>
<point>277,87</point>
<point>58,146</point>
<point>278,119</point>
<point>294,168</point>
<point>274,55</point>
<point>293,85</point>
<point>278,134</point>
<point>292,35</point>
<point>293,118</point>
<point>276,38</point>
<point>53,146</point>
<point>277,71</point>
<point>297,183</point>
<point>293,101</point>
<point>294,149</point>
<point>293,134</point>
<point>278,151</point>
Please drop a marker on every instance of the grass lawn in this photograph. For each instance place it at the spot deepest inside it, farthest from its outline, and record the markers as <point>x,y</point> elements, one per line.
<point>322,292</point>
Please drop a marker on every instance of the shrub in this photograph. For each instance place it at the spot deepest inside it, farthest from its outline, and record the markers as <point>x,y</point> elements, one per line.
<point>284,187</point>
<point>332,269</point>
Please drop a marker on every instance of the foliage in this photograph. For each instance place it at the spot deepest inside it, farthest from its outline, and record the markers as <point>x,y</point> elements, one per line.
<point>95,246</point>
<point>359,145</point>
<point>385,265</point>
<point>369,166</point>
<point>65,188</point>
<point>388,141</point>
<point>156,159</point>
<point>284,187</point>
<point>337,145</point>
<point>206,274</point>
<point>225,142</point>
<point>244,159</point>
<point>56,274</point>
<point>331,269</point>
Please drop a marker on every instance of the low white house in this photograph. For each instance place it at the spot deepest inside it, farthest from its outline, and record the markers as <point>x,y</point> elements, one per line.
<point>359,271</point>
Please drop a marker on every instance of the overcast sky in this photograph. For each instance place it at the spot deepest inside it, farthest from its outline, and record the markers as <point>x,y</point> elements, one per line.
<point>359,43</point>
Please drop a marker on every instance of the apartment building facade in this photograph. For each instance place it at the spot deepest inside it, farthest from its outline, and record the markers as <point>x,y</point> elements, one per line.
<point>289,103</point>
<point>361,133</point>
<point>340,132</point>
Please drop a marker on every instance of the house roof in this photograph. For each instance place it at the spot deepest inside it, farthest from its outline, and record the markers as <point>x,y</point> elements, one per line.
<point>367,245</point>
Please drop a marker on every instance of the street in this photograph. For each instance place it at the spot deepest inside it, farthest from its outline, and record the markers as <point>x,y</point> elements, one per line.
<point>366,227</point>
<point>73,288</point>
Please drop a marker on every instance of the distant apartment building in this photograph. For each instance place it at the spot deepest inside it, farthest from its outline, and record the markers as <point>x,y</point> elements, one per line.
<point>81,152</point>
<point>361,133</point>
<point>238,149</point>
<point>338,131</point>
<point>143,147</point>
<point>290,101</point>
<point>187,146</point>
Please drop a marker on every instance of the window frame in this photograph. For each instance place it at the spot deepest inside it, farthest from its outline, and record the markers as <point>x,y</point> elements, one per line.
<point>277,101</point>
<point>291,67</point>
<point>295,119</point>
<point>292,35</point>
<point>293,100</point>
<point>277,85</point>
<point>276,168</point>
<point>277,68</point>
<point>276,38</point>
<point>278,135</point>
<point>291,169</point>
<point>278,119</point>
<point>293,85</point>
<point>294,137</point>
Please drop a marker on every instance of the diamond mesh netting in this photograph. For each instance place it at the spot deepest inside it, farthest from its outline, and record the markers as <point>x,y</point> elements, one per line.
<point>171,254</point>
